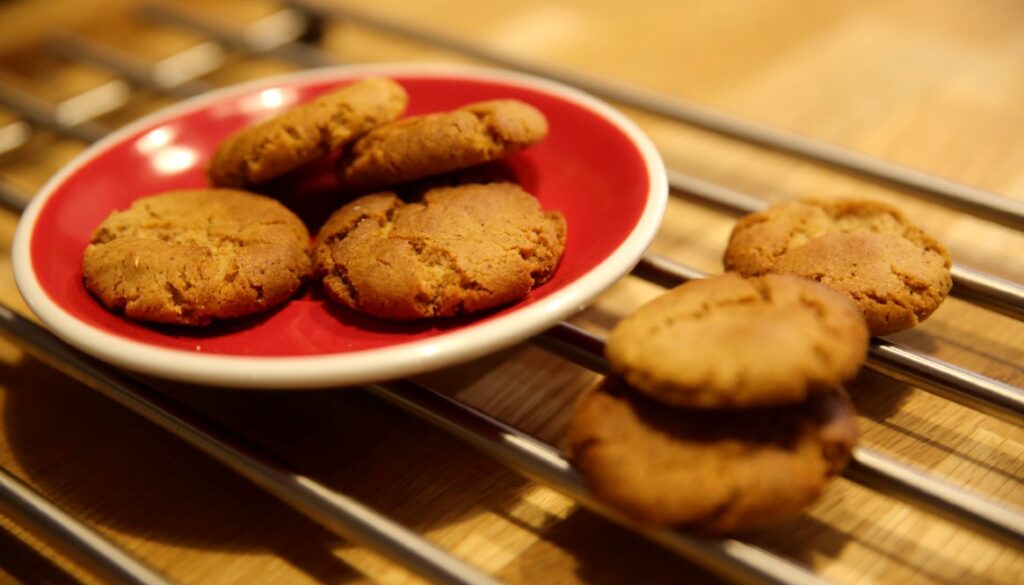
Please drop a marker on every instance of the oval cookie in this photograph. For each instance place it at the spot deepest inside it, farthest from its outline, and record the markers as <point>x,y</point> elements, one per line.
<point>189,257</point>
<point>423,146</point>
<point>727,341</point>
<point>461,250</point>
<point>897,274</point>
<point>716,471</point>
<point>304,133</point>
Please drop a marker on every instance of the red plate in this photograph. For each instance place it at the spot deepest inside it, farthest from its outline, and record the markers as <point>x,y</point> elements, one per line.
<point>595,166</point>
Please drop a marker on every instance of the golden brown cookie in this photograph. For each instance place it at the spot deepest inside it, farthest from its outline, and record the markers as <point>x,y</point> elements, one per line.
<point>461,250</point>
<point>716,471</point>
<point>897,274</point>
<point>423,146</point>
<point>306,132</point>
<point>728,342</point>
<point>190,257</point>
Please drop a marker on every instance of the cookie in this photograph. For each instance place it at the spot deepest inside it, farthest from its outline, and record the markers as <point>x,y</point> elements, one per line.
<point>731,342</point>
<point>460,250</point>
<point>306,132</point>
<point>423,146</point>
<point>189,257</point>
<point>897,274</point>
<point>715,471</point>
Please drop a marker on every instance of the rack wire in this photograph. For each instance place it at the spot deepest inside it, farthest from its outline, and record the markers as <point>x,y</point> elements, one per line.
<point>732,559</point>
<point>31,509</point>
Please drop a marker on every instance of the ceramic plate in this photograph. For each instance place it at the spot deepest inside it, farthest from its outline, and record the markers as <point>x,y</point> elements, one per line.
<point>595,166</point>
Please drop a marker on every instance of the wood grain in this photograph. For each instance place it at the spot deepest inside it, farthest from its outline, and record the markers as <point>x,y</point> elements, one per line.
<point>937,86</point>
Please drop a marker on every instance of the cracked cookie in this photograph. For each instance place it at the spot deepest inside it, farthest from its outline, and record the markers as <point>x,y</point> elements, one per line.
<point>731,342</point>
<point>460,250</point>
<point>189,257</point>
<point>423,146</point>
<point>306,132</point>
<point>715,471</point>
<point>897,274</point>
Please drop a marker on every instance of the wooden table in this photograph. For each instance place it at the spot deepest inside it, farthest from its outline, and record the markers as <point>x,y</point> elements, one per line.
<point>935,85</point>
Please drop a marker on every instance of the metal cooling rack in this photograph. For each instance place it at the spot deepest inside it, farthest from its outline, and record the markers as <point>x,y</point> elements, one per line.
<point>290,35</point>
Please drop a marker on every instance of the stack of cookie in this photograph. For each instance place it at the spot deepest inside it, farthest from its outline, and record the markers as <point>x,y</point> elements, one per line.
<point>192,257</point>
<point>728,414</point>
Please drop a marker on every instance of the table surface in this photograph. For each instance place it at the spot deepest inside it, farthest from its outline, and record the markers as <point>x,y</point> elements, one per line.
<point>936,86</point>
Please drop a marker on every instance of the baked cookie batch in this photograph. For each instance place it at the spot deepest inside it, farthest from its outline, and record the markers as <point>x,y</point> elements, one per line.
<point>725,410</point>
<point>726,413</point>
<point>192,257</point>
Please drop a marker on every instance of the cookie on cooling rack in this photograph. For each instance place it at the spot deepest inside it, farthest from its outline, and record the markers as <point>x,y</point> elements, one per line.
<point>460,250</point>
<point>423,146</point>
<point>897,274</point>
<point>190,257</point>
<point>732,342</point>
<point>714,471</point>
<point>306,132</point>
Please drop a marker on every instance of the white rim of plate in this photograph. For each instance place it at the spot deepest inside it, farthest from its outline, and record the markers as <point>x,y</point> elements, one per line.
<point>365,366</point>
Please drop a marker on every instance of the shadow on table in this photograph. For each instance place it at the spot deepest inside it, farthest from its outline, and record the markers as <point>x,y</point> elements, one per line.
<point>101,461</point>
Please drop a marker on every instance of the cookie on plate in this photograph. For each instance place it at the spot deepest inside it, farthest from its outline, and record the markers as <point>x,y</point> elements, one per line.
<point>422,146</point>
<point>190,257</point>
<point>731,342</point>
<point>715,471</point>
<point>306,132</point>
<point>460,250</point>
<point>897,274</point>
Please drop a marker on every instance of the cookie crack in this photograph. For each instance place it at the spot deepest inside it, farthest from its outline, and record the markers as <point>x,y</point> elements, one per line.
<point>205,235</point>
<point>762,289</point>
<point>152,213</point>
<point>877,298</point>
<point>339,236</point>
<point>832,329</point>
<point>433,256</point>
<point>707,308</point>
<point>538,254</point>
<point>493,135</point>
<point>251,163</point>
<point>341,274</point>
<point>341,118</point>
<point>802,233</point>
<point>178,300</point>
<point>919,290</point>
<point>814,306</point>
<point>702,312</point>
<point>260,293</point>
<point>120,297</point>
<point>715,515</point>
